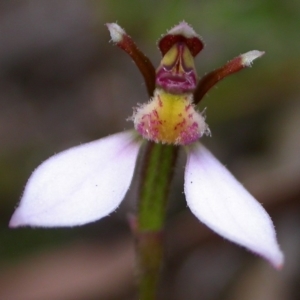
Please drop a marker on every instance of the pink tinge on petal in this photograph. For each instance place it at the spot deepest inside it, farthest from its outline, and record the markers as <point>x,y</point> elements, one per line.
<point>79,185</point>
<point>218,200</point>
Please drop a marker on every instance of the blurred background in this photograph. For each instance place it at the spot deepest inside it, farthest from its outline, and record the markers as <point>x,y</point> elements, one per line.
<point>62,83</point>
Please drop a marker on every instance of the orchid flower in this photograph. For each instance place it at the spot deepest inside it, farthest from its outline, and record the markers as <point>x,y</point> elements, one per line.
<point>88,182</point>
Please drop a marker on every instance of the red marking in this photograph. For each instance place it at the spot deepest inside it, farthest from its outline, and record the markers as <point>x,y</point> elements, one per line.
<point>188,107</point>
<point>160,102</point>
<point>180,124</point>
<point>155,113</point>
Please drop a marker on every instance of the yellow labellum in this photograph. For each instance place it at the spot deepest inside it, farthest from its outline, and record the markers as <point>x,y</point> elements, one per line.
<point>170,118</point>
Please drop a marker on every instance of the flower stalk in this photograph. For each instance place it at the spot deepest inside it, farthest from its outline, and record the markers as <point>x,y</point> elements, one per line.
<point>149,247</point>
<point>157,172</point>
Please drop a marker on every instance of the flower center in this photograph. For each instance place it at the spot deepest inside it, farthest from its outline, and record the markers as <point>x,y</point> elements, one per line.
<point>176,73</point>
<point>170,118</point>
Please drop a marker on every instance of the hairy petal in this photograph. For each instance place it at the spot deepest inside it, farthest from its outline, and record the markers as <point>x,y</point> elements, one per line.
<point>79,185</point>
<point>126,43</point>
<point>235,65</point>
<point>223,204</point>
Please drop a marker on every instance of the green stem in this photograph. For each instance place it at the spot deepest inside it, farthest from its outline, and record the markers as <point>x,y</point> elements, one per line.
<point>158,165</point>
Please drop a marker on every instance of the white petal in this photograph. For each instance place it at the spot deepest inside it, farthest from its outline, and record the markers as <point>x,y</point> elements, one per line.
<point>249,57</point>
<point>79,185</point>
<point>116,32</point>
<point>223,204</point>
